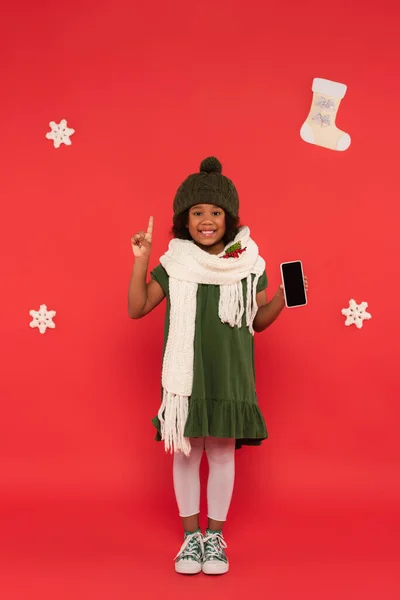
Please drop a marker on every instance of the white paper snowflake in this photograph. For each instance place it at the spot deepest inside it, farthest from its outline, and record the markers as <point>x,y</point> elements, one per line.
<point>42,318</point>
<point>60,133</point>
<point>356,314</point>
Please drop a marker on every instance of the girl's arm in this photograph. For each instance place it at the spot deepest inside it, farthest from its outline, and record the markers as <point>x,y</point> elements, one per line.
<point>268,312</point>
<point>142,297</point>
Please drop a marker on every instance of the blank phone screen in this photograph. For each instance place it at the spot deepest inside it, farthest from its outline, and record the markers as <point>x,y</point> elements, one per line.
<point>294,284</point>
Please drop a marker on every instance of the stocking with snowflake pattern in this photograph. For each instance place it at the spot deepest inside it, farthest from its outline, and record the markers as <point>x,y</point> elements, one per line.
<point>320,126</point>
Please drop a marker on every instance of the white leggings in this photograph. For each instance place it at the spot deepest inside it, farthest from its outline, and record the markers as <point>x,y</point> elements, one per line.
<point>221,461</point>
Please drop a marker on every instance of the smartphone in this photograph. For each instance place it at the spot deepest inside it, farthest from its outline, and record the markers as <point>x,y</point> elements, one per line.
<point>293,284</point>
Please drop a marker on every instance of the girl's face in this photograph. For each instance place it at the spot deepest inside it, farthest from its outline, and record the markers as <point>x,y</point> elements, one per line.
<point>206,224</point>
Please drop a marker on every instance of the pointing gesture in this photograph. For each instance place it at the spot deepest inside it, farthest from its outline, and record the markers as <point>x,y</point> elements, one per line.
<point>141,241</point>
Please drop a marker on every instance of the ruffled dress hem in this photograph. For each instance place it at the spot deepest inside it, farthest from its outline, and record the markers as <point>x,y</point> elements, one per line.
<point>223,418</point>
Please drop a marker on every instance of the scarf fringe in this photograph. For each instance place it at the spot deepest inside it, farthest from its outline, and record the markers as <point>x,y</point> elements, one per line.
<point>172,416</point>
<point>252,307</point>
<point>231,305</point>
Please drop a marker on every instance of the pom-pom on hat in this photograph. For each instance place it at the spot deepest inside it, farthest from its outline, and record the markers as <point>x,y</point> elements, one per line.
<point>207,187</point>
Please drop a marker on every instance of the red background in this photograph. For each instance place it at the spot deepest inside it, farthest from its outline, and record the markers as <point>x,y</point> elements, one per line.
<point>86,495</point>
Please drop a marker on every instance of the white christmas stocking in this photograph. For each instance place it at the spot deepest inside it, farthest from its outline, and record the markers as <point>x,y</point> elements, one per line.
<point>319,128</point>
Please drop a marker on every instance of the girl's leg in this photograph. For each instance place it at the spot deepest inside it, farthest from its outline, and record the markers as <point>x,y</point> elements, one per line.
<point>187,484</point>
<point>221,461</point>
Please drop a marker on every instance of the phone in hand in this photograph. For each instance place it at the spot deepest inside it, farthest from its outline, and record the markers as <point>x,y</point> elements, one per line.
<point>293,284</point>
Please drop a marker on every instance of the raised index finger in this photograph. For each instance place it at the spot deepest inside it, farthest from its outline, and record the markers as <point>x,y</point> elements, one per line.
<point>150,227</point>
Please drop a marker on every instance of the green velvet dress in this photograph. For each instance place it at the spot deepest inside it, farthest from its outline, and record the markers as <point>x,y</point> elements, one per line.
<point>224,400</point>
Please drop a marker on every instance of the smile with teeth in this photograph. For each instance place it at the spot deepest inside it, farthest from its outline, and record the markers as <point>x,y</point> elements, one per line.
<point>207,232</point>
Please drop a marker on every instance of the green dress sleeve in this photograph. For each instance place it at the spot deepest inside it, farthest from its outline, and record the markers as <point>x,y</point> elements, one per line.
<point>262,282</point>
<point>160,275</point>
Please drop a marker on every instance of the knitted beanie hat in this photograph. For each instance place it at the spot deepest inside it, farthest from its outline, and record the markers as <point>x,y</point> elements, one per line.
<point>207,187</point>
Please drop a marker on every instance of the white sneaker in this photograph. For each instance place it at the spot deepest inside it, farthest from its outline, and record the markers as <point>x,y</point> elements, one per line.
<point>215,561</point>
<point>189,559</point>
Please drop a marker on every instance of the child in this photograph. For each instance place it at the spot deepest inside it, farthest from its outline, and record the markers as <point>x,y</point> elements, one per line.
<point>214,281</point>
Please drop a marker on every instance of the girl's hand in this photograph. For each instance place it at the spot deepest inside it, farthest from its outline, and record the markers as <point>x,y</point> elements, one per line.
<point>141,241</point>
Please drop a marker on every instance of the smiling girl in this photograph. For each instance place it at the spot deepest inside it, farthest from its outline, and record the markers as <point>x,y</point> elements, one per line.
<point>214,282</point>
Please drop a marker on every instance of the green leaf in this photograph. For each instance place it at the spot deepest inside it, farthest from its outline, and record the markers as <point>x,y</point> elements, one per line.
<point>234,248</point>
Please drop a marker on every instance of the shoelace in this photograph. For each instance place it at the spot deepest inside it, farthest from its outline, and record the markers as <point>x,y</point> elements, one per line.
<point>190,547</point>
<point>215,546</point>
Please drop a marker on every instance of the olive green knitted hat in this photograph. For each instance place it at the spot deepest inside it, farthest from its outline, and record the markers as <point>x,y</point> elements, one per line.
<point>207,187</point>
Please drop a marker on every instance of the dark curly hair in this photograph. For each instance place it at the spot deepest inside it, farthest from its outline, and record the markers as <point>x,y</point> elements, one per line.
<point>180,231</point>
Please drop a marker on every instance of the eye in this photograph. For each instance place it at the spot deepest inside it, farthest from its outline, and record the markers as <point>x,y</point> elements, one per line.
<point>196,213</point>
<point>217,213</point>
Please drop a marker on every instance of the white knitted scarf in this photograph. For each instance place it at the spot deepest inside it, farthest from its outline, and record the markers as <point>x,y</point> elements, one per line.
<point>187,266</point>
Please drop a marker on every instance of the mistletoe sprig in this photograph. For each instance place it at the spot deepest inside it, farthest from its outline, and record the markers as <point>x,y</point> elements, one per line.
<point>234,251</point>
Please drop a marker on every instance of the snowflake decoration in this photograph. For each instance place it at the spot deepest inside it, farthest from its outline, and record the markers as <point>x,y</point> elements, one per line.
<point>60,133</point>
<point>42,318</point>
<point>356,314</point>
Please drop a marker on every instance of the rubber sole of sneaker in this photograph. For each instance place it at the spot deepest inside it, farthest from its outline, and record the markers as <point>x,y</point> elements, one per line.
<point>187,567</point>
<point>215,567</point>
